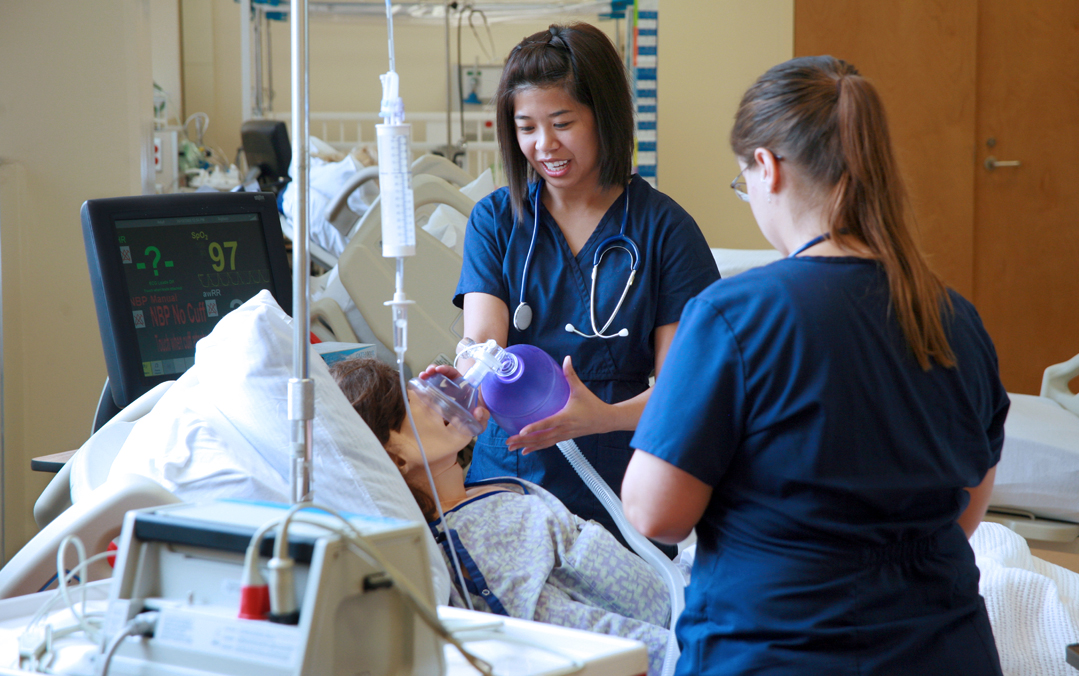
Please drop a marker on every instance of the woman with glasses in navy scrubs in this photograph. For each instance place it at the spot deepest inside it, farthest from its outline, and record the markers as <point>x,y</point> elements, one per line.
<point>829,423</point>
<point>576,256</point>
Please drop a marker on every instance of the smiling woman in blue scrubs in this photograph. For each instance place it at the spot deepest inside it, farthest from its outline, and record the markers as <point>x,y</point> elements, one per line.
<point>565,128</point>
<point>829,423</point>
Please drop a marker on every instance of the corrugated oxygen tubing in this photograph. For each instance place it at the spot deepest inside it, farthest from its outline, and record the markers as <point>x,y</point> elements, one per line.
<point>640,544</point>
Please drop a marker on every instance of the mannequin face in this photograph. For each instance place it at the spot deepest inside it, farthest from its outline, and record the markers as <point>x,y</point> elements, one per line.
<point>441,441</point>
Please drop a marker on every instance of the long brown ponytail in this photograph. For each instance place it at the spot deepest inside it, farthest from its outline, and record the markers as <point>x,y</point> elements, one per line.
<point>819,114</point>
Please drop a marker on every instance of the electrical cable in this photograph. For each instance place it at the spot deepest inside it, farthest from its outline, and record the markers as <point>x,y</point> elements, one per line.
<point>202,123</point>
<point>81,617</point>
<point>487,633</point>
<point>411,595</point>
<point>493,54</point>
<point>48,605</point>
<point>36,646</point>
<point>142,624</point>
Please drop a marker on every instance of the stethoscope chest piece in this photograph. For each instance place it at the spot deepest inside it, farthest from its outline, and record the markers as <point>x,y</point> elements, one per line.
<point>522,317</point>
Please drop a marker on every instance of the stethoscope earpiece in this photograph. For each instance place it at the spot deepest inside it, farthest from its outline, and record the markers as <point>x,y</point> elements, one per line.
<point>522,316</point>
<point>570,328</point>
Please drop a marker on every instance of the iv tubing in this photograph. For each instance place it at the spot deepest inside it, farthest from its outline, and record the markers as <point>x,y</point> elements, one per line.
<point>400,345</point>
<point>431,481</point>
<point>640,544</point>
<point>389,30</point>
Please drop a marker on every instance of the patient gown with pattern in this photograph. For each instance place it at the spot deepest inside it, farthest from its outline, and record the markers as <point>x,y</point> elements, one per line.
<point>525,555</point>
<point>838,466</point>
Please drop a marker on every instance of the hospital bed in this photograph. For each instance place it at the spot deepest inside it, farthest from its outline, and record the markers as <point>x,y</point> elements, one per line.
<point>342,218</point>
<point>162,447</point>
<point>337,215</point>
<point>346,130</point>
<point>1036,492</point>
<point>347,300</point>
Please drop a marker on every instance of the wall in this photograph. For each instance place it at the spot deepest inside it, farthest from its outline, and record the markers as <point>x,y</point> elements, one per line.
<point>709,54</point>
<point>74,107</point>
<point>165,54</point>
<point>346,56</point>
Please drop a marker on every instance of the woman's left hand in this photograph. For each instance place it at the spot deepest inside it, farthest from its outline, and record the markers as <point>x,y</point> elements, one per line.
<point>583,414</point>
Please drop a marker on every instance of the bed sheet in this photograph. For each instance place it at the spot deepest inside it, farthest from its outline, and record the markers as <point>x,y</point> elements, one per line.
<point>733,261</point>
<point>1039,465</point>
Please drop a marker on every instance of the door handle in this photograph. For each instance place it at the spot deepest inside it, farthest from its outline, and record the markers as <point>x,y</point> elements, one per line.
<point>992,163</point>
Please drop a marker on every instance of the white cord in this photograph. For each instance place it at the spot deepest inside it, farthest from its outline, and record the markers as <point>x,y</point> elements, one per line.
<point>142,624</point>
<point>62,576</point>
<point>48,605</point>
<point>36,646</point>
<point>202,123</point>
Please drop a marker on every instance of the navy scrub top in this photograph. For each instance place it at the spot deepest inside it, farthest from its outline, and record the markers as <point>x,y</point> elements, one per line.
<point>830,544</point>
<point>676,264</point>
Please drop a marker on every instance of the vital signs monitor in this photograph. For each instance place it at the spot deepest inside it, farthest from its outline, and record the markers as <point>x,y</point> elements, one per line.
<point>165,268</point>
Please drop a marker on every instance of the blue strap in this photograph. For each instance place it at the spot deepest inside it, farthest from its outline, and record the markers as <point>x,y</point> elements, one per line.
<point>475,582</point>
<point>813,242</point>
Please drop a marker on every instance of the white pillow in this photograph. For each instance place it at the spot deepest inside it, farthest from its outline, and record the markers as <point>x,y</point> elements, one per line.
<point>188,447</point>
<point>223,431</point>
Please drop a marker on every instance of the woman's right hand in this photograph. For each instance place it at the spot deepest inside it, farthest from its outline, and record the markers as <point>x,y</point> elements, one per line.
<point>448,371</point>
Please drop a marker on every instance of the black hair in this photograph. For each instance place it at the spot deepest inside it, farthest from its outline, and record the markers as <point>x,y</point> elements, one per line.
<point>580,59</point>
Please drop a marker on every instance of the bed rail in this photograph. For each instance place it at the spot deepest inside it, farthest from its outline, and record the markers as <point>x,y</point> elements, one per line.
<point>344,131</point>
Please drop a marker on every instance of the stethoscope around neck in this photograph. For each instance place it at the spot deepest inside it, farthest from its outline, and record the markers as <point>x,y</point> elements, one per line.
<point>522,316</point>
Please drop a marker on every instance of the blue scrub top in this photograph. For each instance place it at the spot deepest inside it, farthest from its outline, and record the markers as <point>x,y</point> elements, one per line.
<point>830,543</point>
<point>676,264</point>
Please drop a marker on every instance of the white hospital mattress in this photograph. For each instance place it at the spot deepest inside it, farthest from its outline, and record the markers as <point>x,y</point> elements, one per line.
<point>1039,465</point>
<point>732,261</point>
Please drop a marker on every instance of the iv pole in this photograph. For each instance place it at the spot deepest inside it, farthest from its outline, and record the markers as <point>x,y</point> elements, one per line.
<point>301,388</point>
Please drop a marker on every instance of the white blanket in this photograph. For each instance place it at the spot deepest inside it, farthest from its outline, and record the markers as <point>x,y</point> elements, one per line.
<point>1033,604</point>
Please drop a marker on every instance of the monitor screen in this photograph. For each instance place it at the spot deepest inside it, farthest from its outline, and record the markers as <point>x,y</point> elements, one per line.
<point>166,268</point>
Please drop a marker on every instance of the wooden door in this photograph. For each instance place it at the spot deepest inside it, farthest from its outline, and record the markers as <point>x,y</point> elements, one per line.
<point>920,57</point>
<point>1026,243</point>
<point>952,76</point>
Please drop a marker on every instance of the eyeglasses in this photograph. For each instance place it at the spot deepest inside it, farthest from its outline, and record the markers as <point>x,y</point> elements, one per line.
<point>738,185</point>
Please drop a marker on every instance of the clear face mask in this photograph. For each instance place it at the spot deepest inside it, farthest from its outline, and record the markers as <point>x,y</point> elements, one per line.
<point>455,399</point>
